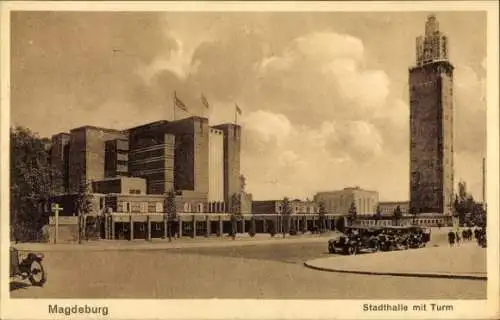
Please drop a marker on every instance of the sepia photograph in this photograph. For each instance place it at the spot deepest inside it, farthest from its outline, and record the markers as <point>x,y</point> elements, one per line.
<point>242,154</point>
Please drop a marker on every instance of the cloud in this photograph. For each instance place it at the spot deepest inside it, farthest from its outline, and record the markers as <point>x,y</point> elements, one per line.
<point>324,102</point>
<point>470,110</point>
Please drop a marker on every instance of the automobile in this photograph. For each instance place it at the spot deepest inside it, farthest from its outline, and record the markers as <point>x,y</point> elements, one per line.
<point>355,240</point>
<point>346,243</point>
<point>387,242</point>
<point>418,237</point>
<point>29,267</point>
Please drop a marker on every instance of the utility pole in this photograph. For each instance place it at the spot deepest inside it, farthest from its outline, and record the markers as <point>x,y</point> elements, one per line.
<point>484,182</point>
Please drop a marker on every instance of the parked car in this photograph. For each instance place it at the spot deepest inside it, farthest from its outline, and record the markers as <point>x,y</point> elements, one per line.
<point>343,243</point>
<point>354,240</point>
<point>30,267</point>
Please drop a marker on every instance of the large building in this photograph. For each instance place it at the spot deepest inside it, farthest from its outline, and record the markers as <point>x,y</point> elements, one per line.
<point>431,122</point>
<point>339,202</point>
<point>200,163</point>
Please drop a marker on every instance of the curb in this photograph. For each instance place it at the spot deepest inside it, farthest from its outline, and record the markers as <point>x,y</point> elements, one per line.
<point>400,274</point>
<point>166,246</point>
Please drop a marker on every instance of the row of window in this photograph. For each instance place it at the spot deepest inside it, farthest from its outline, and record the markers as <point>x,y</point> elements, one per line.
<point>297,209</point>
<point>145,207</point>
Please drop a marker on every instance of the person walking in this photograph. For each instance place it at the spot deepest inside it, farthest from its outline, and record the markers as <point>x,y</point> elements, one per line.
<point>457,235</point>
<point>451,238</point>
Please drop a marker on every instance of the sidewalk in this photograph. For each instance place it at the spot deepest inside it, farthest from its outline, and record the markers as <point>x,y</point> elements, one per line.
<point>468,261</point>
<point>164,244</point>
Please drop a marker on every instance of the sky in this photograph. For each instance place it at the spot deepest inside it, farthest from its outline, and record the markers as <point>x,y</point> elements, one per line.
<point>324,95</point>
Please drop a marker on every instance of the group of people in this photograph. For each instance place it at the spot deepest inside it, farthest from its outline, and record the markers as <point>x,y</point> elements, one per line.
<point>454,237</point>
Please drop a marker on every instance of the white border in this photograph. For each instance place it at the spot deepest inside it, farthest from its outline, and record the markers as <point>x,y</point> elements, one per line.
<point>262,309</point>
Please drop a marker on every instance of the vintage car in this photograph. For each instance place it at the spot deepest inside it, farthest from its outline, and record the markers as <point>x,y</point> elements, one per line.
<point>418,237</point>
<point>354,240</point>
<point>345,243</point>
<point>29,267</point>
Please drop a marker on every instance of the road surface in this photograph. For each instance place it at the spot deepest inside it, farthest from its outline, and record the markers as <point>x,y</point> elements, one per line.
<point>263,271</point>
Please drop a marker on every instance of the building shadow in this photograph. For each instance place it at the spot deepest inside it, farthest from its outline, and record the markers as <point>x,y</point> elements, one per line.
<point>16,285</point>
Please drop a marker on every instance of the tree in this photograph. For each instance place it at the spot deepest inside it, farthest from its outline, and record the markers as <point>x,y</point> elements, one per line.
<point>378,214</point>
<point>352,214</point>
<point>243,183</point>
<point>30,184</point>
<point>322,215</point>
<point>83,205</point>
<point>235,213</point>
<point>286,211</point>
<point>170,212</point>
<point>464,203</point>
<point>397,215</point>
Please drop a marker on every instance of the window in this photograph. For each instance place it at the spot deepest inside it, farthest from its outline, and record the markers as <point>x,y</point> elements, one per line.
<point>159,207</point>
<point>144,207</point>
<point>125,207</point>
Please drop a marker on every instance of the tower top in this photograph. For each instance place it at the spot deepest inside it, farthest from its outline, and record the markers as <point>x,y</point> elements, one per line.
<point>434,45</point>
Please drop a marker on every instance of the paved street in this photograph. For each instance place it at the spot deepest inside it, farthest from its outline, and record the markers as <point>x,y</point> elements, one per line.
<point>267,271</point>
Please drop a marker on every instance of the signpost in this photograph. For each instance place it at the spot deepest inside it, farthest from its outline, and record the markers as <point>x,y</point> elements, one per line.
<point>56,209</point>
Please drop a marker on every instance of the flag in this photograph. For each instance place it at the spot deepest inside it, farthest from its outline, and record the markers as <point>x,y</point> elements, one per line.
<point>238,110</point>
<point>205,102</point>
<point>179,103</point>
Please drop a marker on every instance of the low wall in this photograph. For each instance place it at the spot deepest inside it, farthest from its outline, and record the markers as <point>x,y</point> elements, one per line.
<point>68,229</point>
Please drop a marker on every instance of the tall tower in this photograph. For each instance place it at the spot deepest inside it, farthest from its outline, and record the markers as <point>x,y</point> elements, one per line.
<point>431,123</point>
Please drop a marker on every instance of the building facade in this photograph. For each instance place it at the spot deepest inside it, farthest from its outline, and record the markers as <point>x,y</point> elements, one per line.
<point>339,202</point>
<point>276,207</point>
<point>216,165</point>
<point>86,159</point>
<point>200,163</point>
<point>151,156</point>
<point>59,160</point>
<point>232,148</point>
<point>387,207</point>
<point>431,122</point>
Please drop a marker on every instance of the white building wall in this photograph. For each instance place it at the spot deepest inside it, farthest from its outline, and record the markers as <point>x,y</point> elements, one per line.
<point>216,166</point>
<point>339,202</point>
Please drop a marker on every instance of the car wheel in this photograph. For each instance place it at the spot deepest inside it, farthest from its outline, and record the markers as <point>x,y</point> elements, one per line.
<point>352,250</point>
<point>37,275</point>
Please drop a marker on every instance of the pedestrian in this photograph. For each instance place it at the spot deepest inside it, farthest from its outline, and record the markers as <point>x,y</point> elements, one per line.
<point>451,238</point>
<point>457,238</point>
